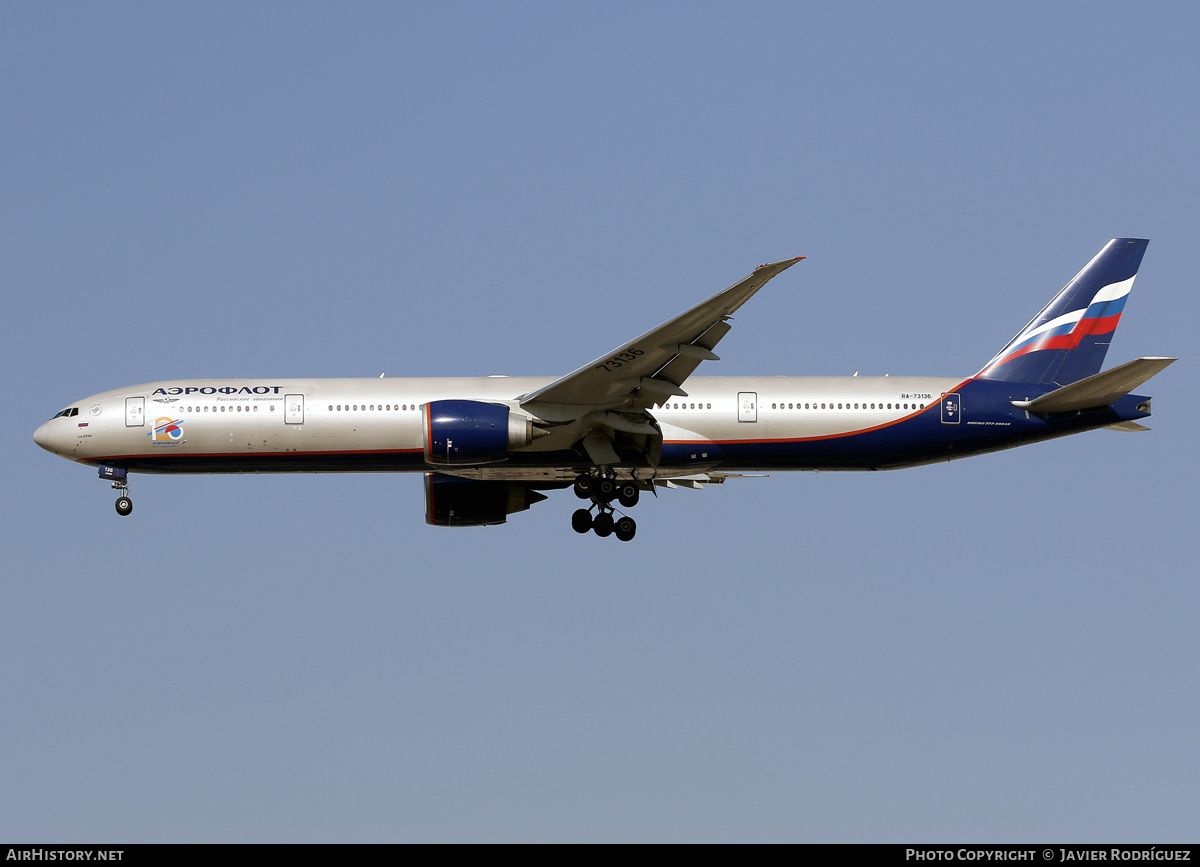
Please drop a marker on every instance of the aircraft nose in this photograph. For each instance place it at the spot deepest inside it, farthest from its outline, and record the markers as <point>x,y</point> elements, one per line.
<point>41,436</point>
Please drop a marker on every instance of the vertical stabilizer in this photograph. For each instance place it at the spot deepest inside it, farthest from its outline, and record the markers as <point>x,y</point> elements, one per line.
<point>1067,341</point>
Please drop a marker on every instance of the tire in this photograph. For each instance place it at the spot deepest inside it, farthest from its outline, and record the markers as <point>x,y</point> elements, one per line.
<point>603,525</point>
<point>605,489</point>
<point>124,506</point>
<point>581,521</point>
<point>628,494</point>
<point>583,486</point>
<point>626,529</point>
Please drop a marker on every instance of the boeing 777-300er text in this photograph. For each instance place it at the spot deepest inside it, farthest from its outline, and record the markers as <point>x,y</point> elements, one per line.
<point>631,420</point>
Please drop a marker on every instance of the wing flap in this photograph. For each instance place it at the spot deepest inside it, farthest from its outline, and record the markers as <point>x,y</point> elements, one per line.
<point>689,355</point>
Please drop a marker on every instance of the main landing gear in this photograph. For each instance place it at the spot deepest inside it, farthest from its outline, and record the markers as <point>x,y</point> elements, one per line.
<point>602,488</point>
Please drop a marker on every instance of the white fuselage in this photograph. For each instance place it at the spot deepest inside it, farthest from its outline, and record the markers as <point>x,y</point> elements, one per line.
<point>189,425</point>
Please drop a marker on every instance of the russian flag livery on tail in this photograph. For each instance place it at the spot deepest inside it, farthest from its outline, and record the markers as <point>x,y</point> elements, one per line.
<point>632,420</point>
<point>1068,339</point>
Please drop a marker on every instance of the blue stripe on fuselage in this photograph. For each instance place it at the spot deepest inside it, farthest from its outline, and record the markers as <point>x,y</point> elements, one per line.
<point>989,422</point>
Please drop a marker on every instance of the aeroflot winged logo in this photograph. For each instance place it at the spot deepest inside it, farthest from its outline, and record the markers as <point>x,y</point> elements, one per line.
<point>167,431</point>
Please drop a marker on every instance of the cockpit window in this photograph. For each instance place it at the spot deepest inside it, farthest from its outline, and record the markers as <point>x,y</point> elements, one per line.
<point>66,413</point>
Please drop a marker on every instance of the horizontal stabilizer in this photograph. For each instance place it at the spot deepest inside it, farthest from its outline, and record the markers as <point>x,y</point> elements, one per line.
<point>1127,426</point>
<point>1100,389</point>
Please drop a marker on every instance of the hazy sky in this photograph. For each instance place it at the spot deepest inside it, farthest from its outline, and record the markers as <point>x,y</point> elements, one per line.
<point>997,649</point>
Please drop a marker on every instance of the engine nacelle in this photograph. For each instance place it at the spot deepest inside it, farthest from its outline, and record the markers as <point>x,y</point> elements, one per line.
<point>454,502</point>
<point>473,432</point>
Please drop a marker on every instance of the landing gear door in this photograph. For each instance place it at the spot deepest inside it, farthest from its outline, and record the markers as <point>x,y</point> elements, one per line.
<point>135,411</point>
<point>951,409</point>
<point>747,406</point>
<point>293,409</point>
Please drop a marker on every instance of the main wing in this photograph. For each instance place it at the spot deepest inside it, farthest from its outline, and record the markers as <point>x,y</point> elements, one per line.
<point>647,370</point>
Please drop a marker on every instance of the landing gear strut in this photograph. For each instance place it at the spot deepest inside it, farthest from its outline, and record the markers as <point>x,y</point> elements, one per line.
<point>601,488</point>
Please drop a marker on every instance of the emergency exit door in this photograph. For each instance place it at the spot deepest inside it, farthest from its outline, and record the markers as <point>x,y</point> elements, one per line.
<point>293,409</point>
<point>951,409</point>
<point>747,406</point>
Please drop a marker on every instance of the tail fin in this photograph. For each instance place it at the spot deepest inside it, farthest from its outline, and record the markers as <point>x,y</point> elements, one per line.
<point>1067,341</point>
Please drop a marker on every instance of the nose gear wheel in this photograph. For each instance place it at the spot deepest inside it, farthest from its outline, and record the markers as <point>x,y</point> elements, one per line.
<point>124,505</point>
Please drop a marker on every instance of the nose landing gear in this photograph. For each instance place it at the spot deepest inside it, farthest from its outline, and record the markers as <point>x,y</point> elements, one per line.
<point>601,489</point>
<point>118,477</point>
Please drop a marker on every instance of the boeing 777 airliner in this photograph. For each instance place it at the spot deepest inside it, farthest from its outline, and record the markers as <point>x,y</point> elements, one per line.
<point>629,420</point>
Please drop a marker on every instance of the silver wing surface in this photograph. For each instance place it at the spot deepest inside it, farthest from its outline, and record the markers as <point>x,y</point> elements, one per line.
<point>649,369</point>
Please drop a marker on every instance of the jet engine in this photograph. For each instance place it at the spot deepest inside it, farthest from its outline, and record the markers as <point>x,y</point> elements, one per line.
<point>473,432</point>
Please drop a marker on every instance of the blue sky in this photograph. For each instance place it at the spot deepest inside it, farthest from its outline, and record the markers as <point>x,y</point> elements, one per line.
<point>996,649</point>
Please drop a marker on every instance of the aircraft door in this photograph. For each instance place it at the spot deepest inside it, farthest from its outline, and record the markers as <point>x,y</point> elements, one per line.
<point>135,411</point>
<point>293,409</point>
<point>747,406</point>
<point>951,409</point>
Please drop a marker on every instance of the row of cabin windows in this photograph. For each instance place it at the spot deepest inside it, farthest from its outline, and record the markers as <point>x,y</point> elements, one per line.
<point>240,408</point>
<point>806,406</point>
<point>222,408</point>
<point>405,407</point>
<point>849,406</point>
